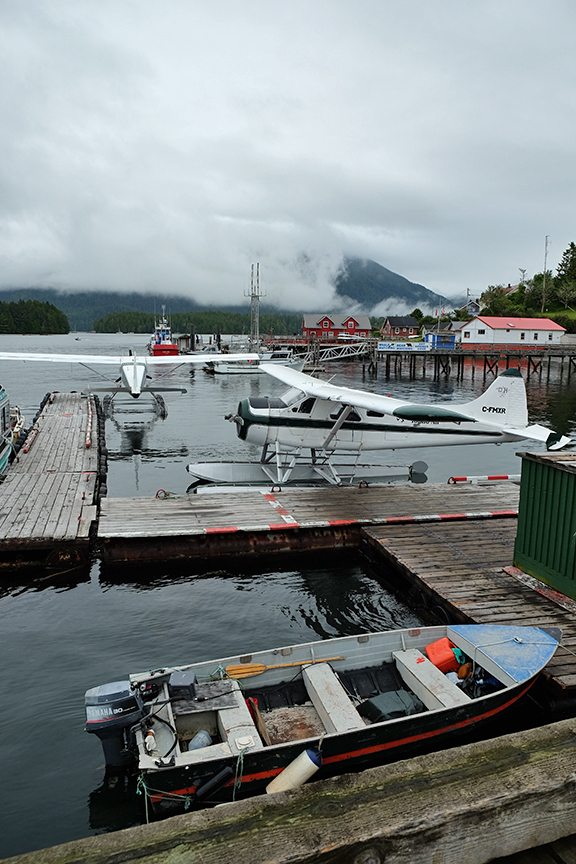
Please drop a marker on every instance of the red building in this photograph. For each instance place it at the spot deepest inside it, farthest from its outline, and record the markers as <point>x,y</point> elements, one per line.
<point>400,327</point>
<point>328,326</point>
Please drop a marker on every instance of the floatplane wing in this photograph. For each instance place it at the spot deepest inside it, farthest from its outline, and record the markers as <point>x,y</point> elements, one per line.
<point>133,370</point>
<point>502,408</point>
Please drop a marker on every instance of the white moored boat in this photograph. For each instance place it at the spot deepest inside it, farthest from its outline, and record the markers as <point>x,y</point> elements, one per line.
<point>281,357</point>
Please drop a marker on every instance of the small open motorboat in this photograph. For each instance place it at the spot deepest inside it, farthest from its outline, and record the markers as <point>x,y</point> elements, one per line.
<point>224,729</point>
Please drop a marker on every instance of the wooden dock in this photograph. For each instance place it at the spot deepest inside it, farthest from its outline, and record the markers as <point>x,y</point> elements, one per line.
<point>485,360</point>
<point>249,522</point>
<point>463,573</point>
<point>450,546</point>
<point>48,501</point>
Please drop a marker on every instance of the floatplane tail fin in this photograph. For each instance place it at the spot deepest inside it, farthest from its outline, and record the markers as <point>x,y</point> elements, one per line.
<point>504,403</point>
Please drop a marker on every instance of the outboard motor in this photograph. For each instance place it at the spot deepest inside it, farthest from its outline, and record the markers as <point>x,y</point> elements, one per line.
<point>111,709</point>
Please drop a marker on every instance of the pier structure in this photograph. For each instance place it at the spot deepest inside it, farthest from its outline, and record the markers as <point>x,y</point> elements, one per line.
<point>439,363</point>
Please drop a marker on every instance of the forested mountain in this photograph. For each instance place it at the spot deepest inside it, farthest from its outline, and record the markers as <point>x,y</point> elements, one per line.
<point>365,283</point>
<point>32,316</point>
<point>369,283</point>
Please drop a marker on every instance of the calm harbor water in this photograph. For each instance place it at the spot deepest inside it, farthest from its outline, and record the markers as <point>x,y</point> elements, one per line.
<point>63,634</point>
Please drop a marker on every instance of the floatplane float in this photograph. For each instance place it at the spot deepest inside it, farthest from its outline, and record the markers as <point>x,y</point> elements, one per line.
<point>239,726</point>
<point>314,422</point>
<point>133,371</point>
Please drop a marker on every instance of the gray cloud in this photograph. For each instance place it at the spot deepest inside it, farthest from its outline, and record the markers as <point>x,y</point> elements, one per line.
<point>158,146</point>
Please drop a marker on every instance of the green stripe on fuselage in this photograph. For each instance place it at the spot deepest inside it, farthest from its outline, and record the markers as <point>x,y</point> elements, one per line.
<point>430,412</point>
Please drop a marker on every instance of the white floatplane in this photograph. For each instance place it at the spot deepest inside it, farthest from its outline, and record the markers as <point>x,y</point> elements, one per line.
<point>326,419</point>
<point>133,370</point>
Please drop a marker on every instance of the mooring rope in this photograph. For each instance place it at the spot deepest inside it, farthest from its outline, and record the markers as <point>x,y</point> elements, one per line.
<point>147,791</point>
<point>239,771</point>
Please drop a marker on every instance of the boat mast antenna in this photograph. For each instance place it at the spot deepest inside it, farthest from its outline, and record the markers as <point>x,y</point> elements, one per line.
<point>255,295</point>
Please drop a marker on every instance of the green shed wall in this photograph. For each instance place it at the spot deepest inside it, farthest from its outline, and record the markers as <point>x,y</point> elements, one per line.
<point>546,538</point>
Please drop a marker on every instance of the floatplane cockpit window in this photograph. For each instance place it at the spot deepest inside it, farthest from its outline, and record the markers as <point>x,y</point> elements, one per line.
<point>267,402</point>
<point>291,396</point>
<point>353,415</point>
<point>305,407</point>
<point>374,414</point>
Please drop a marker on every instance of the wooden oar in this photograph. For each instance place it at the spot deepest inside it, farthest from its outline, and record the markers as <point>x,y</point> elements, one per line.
<point>245,670</point>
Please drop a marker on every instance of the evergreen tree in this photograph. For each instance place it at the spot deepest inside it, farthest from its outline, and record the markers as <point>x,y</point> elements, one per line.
<point>31,317</point>
<point>566,292</point>
<point>567,268</point>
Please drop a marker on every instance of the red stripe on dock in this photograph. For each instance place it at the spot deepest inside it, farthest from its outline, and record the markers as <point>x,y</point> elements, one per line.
<point>280,509</point>
<point>223,530</point>
<point>282,525</point>
<point>342,521</point>
<point>400,519</point>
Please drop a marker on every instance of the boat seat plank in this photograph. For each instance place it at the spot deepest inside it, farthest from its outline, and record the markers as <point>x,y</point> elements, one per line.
<point>431,686</point>
<point>330,700</point>
<point>236,725</point>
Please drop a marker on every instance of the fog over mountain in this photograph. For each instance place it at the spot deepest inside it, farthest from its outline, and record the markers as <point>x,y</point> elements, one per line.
<point>360,286</point>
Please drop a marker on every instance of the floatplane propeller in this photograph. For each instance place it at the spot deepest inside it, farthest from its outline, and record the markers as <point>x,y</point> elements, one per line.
<point>325,419</point>
<point>133,370</point>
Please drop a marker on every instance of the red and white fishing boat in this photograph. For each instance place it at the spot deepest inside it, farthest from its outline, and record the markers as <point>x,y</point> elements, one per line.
<point>162,343</point>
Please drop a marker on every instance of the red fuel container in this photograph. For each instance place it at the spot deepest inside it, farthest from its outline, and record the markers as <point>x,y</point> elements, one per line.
<point>442,655</point>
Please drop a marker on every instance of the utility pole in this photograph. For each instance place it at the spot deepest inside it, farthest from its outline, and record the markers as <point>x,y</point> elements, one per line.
<point>522,275</point>
<point>544,276</point>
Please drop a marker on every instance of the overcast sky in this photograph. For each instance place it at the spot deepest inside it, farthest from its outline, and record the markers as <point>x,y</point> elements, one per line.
<point>166,145</point>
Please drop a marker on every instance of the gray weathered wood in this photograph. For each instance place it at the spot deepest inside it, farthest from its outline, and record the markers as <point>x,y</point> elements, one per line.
<point>469,804</point>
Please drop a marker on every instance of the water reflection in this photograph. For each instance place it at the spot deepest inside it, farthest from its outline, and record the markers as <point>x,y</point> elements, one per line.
<point>34,582</point>
<point>114,804</point>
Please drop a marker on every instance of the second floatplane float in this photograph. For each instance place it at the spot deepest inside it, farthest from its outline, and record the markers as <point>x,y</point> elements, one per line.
<point>239,726</point>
